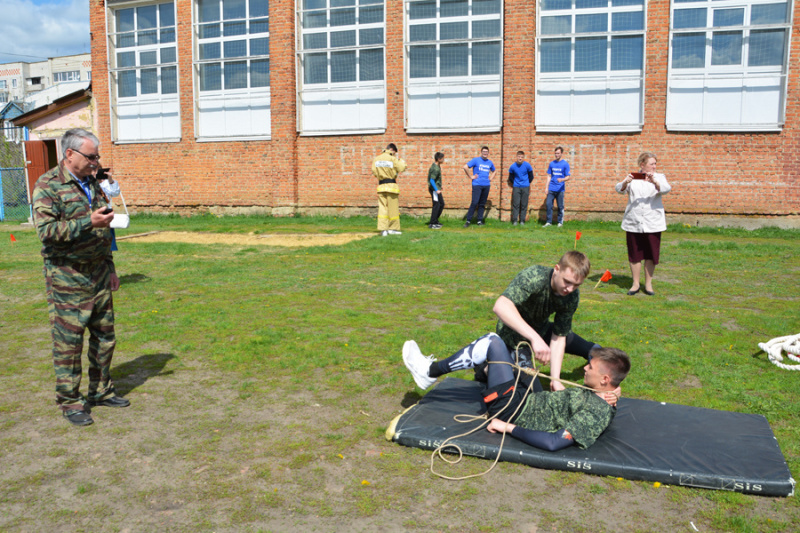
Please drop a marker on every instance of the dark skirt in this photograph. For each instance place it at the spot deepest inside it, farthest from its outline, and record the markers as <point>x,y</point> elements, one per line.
<point>643,246</point>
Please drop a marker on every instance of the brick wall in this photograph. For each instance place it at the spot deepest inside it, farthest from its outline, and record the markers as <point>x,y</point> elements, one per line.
<point>711,174</point>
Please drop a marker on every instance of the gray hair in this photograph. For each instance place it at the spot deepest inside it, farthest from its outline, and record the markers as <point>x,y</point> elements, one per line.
<point>74,138</point>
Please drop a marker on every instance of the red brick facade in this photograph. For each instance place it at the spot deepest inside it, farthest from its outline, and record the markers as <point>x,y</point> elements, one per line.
<point>735,174</point>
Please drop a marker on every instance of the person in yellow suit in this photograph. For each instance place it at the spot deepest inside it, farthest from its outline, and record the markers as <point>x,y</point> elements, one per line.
<point>386,167</point>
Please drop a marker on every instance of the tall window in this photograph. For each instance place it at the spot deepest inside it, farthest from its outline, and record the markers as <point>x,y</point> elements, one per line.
<point>454,52</point>
<point>144,73</point>
<point>728,65</point>
<point>591,65</point>
<point>341,66</point>
<point>232,68</point>
<point>72,75</point>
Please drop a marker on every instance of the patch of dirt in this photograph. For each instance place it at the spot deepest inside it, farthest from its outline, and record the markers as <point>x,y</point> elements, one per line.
<point>689,382</point>
<point>298,240</point>
<point>731,325</point>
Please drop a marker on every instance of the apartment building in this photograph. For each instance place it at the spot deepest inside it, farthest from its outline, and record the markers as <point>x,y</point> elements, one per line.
<point>19,80</point>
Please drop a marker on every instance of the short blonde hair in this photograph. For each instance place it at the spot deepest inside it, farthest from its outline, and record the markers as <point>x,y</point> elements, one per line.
<point>644,157</point>
<point>577,262</point>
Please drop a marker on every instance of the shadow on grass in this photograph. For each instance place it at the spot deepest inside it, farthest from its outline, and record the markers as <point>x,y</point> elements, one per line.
<point>132,374</point>
<point>410,399</point>
<point>623,282</point>
<point>133,278</point>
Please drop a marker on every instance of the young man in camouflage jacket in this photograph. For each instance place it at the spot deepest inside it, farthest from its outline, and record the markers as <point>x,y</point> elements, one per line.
<point>549,420</point>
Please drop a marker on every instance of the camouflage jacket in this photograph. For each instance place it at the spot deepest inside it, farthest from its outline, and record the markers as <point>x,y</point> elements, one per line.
<point>581,412</point>
<point>63,218</point>
<point>535,300</point>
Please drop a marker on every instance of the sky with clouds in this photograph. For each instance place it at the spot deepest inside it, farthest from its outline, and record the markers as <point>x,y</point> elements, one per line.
<point>33,30</point>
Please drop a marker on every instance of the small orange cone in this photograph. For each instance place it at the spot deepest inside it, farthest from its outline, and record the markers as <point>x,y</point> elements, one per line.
<point>12,238</point>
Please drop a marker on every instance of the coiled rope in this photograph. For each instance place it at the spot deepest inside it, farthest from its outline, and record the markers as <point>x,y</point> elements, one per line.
<point>789,344</point>
<point>534,373</point>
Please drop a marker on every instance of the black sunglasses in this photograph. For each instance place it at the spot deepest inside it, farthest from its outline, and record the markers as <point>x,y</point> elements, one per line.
<point>93,158</point>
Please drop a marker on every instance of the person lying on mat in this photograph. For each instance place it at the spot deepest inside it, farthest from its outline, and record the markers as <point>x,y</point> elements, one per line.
<point>547,420</point>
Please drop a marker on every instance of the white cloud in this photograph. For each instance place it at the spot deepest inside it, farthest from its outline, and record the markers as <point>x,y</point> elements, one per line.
<point>33,30</point>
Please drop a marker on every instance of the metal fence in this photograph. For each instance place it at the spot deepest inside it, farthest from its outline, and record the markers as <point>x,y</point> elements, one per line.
<point>13,195</point>
<point>13,191</point>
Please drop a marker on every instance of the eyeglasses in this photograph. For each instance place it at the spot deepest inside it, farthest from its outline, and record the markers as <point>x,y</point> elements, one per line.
<point>93,158</point>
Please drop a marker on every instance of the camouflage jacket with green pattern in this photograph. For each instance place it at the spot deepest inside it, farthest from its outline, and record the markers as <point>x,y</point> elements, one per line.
<point>63,218</point>
<point>581,412</point>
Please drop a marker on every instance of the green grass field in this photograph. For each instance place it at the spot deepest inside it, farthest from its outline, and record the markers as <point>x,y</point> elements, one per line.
<point>262,378</point>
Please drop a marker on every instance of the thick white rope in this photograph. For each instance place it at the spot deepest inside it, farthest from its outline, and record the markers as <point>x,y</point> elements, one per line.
<point>789,344</point>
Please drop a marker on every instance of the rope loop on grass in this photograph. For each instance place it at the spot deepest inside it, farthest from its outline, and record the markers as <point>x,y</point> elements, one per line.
<point>789,344</point>
<point>464,418</point>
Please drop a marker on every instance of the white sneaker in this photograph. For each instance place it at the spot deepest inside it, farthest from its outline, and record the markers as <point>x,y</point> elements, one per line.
<point>395,232</point>
<point>560,224</point>
<point>384,233</point>
<point>548,224</point>
<point>418,364</point>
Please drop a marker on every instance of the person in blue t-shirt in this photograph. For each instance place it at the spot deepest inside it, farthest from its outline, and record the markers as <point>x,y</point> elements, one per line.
<point>559,174</point>
<point>481,171</point>
<point>520,176</point>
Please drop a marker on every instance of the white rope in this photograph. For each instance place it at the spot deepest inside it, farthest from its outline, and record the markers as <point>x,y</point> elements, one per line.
<point>789,344</point>
<point>465,418</point>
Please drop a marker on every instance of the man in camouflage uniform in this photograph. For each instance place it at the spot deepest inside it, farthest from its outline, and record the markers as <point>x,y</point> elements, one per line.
<point>544,419</point>
<point>386,167</point>
<point>523,312</point>
<point>68,209</point>
<point>555,420</point>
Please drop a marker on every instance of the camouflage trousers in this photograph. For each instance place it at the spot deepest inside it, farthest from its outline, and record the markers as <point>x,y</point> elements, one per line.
<point>79,298</point>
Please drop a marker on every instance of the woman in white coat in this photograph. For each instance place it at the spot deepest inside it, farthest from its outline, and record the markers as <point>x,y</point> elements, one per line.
<point>644,219</point>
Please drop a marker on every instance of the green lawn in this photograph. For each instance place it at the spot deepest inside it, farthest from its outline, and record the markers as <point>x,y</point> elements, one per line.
<point>262,378</point>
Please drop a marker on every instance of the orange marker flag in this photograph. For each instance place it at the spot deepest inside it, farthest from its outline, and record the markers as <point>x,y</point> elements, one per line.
<point>605,277</point>
<point>577,238</point>
<point>12,238</point>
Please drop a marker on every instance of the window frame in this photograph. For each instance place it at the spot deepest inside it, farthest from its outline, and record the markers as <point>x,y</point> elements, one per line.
<point>338,90</point>
<point>115,101</point>
<point>261,95</point>
<point>438,84</point>
<point>710,73</point>
<point>573,78</point>
<point>69,75</point>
